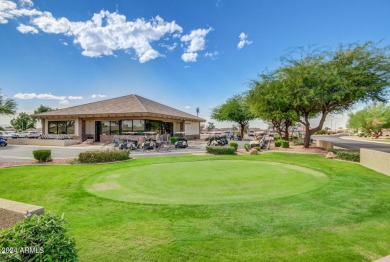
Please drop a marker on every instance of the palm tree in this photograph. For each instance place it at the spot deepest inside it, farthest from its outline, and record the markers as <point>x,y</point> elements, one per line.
<point>7,106</point>
<point>197,111</point>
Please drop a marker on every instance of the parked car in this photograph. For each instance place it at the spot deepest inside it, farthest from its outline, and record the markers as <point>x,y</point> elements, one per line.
<point>34,134</point>
<point>7,134</point>
<point>29,134</point>
<point>3,143</point>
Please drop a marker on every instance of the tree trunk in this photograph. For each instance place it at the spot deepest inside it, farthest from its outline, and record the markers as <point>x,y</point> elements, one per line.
<point>306,141</point>
<point>242,125</point>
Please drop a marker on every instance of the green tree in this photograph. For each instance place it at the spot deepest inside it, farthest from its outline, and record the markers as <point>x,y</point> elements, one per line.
<point>372,119</point>
<point>268,105</point>
<point>235,109</point>
<point>23,122</point>
<point>42,109</point>
<point>322,82</point>
<point>210,126</point>
<point>7,106</point>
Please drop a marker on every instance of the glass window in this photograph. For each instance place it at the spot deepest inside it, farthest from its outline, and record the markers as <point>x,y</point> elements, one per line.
<point>52,127</point>
<point>70,128</point>
<point>105,127</point>
<point>138,125</point>
<point>114,127</point>
<point>127,126</point>
<point>153,126</point>
<point>61,127</point>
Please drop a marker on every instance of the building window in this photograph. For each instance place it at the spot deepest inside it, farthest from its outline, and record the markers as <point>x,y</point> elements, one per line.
<point>105,127</point>
<point>153,126</point>
<point>127,126</point>
<point>138,125</point>
<point>61,127</point>
<point>114,128</point>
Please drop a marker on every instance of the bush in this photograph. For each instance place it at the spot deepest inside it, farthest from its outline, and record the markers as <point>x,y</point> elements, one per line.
<point>47,233</point>
<point>298,142</point>
<point>101,156</point>
<point>174,139</point>
<point>247,147</point>
<point>285,144</point>
<point>235,145</point>
<point>221,150</point>
<point>43,155</point>
<point>345,154</point>
<point>278,143</point>
<point>254,152</point>
<point>258,149</point>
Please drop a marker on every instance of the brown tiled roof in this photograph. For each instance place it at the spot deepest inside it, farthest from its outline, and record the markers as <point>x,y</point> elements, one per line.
<point>131,105</point>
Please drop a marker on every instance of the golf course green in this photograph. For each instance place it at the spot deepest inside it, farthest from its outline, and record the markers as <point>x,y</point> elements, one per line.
<point>205,182</point>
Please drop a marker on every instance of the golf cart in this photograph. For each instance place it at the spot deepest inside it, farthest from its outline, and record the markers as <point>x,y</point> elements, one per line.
<point>216,139</point>
<point>149,141</point>
<point>181,141</point>
<point>260,140</point>
<point>128,143</point>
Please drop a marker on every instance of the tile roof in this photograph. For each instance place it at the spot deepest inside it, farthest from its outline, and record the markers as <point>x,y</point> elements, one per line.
<point>130,105</point>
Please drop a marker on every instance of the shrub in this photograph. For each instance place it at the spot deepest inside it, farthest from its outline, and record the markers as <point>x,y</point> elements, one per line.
<point>234,144</point>
<point>247,147</point>
<point>285,144</point>
<point>174,139</point>
<point>258,149</point>
<point>278,143</point>
<point>298,142</point>
<point>47,233</point>
<point>345,154</point>
<point>254,152</point>
<point>42,155</point>
<point>276,137</point>
<point>101,156</point>
<point>221,150</point>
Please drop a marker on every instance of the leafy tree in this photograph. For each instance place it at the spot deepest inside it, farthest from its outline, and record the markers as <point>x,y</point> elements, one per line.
<point>23,121</point>
<point>42,109</point>
<point>322,82</point>
<point>7,106</point>
<point>197,111</point>
<point>235,109</point>
<point>269,106</point>
<point>210,126</point>
<point>371,119</point>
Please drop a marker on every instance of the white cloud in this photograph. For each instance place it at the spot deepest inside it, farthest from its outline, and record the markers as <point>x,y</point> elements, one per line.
<point>38,96</point>
<point>25,29</point>
<point>187,107</point>
<point>26,2</point>
<point>169,47</point>
<point>243,40</point>
<point>189,57</point>
<point>195,41</point>
<point>64,102</point>
<point>212,55</point>
<point>102,35</point>
<point>98,96</point>
<point>75,97</point>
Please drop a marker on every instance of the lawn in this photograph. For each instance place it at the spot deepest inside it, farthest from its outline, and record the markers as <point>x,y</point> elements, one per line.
<point>204,208</point>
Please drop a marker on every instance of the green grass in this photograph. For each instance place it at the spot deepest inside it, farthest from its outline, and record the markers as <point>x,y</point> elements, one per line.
<point>211,182</point>
<point>346,219</point>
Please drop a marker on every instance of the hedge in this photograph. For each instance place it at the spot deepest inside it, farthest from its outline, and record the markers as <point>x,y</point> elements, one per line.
<point>234,144</point>
<point>285,144</point>
<point>278,143</point>
<point>221,150</point>
<point>174,139</point>
<point>42,155</point>
<point>247,146</point>
<point>345,154</point>
<point>47,233</point>
<point>101,156</point>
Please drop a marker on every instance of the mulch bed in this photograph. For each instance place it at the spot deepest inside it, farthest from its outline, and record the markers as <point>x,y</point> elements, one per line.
<point>53,162</point>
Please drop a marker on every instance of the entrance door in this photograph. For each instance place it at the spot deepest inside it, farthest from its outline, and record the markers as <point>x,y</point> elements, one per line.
<point>98,130</point>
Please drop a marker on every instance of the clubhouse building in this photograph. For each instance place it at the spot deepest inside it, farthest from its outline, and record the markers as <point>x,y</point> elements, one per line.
<point>119,116</point>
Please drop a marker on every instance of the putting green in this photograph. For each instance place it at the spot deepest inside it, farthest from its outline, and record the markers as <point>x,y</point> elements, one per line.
<point>205,182</point>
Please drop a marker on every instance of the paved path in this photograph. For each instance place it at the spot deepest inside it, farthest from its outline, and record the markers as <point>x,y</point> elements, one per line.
<point>23,153</point>
<point>354,144</point>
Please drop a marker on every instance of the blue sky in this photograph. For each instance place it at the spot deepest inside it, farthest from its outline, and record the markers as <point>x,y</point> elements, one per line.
<point>181,53</point>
